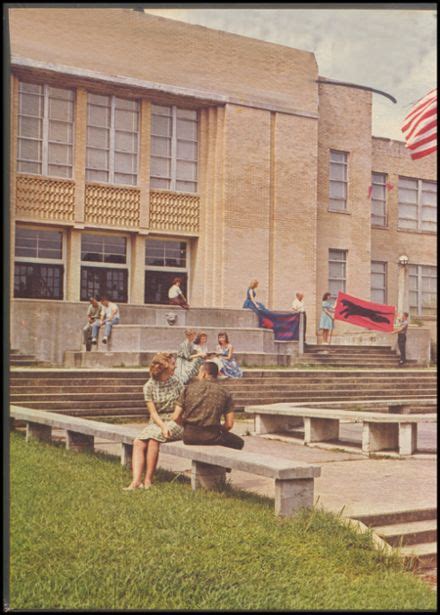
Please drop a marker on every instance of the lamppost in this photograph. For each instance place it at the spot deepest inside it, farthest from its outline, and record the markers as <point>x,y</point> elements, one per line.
<point>402,298</point>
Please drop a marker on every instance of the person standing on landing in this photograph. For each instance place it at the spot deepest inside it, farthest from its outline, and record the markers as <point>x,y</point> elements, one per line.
<point>201,407</point>
<point>327,320</point>
<point>161,392</point>
<point>176,296</point>
<point>298,307</point>
<point>401,337</point>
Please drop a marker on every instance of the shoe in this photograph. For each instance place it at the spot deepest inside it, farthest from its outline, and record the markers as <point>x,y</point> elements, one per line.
<point>94,340</point>
<point>104,340</point>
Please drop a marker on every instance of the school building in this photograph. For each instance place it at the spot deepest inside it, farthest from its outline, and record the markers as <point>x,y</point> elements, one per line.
<point>143,148</point>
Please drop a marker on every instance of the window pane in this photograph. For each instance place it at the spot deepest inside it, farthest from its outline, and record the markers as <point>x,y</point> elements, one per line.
<point>126,142</point>
<point>98,137</point>
<point>59,154</point>
<point>104,281</point>
<point>408,182</point>
<point>336,270</point>
<point>186,130</point>
<point>96,176</point>
<point>60,110</point>
<point>126,120</point>
<point>31,105</point>
<point>338,190</point>
<point>186,171</point>
<point>103,248</point>
<point>429,198</point>
<point>125,178</point>
<point>378,295</point>
<point>407,196</point>
<point>335,286</point>
<point>338,156</point>
<point>408,211</point>
<point>32,243</point>
<point>161,146</point>
<point>160,184</point>
<point>38,281</point>
<point>125,163</point>
<point>60,132</point>
<point>187,114</point>
<point>338,172</point>
<point>61,93</point>
<point>161,126</point>
<point>186,150</point>
<point>30,127</point>
<point>99,116</point>
<point>337,205</point>
<point>29,150</point>
<point>183,186</point>
<point>97,159</point>
<point>378,193</point>
<point>378,178</point>
<point>161,110</point>
<point>32,88</point>
<point>128,105</point>
<point>59,171</point>
<point>157,284</point>
<point>164,253</point>
<point>429,214</point>
<point>29,167</point>
<point>160,167</point>
<point>408,224</point>
<point>97,99</point>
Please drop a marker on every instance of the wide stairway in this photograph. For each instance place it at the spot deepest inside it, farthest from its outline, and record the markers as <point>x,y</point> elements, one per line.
<point>351,356</point>
<point>118,392</point>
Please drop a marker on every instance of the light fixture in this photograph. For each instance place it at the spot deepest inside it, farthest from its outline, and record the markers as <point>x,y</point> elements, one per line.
<point>403,260</point>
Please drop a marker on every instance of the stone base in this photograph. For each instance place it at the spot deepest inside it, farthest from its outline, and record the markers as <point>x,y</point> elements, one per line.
<point>207,476</point>
<point>36,431</point>
<point>79,442</point>
<point>267,423</point>
<point>293,495</point>
<point>320,430</point>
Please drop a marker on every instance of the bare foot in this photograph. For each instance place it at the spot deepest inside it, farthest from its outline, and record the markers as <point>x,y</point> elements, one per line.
<point>147,485</point>
<point>133,486</point>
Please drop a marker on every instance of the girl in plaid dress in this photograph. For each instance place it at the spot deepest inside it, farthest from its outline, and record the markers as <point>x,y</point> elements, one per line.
<point>161,393</point>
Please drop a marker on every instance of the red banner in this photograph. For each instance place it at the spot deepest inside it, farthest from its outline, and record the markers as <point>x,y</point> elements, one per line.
<point>364,313</point>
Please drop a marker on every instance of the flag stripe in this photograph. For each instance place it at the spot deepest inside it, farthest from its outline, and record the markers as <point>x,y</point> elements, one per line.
<point>419,127</point>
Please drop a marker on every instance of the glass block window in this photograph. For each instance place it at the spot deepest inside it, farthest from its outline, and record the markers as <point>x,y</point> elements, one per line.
<point>39,268</point>
<point>378,199</point>
<point>174,149</point>
<point>378,281</point>
<point>45,130</point>
<point>423,290</point>
<point>417,204</point>
<point>337,271</point>
<point>112,140</point>
<point>338,180</point>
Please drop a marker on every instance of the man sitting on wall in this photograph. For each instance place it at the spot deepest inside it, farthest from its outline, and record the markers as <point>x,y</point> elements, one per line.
<point>93,314</point>
<point>109,317</point>
<point>201,406</point>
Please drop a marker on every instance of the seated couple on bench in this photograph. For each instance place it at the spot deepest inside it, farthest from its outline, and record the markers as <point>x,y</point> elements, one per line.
<point>193,413</point>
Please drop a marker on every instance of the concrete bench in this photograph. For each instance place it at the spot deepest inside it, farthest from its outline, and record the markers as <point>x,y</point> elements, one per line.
<point>380,432</point>
<point>395,406</point>
<point>294,480</point>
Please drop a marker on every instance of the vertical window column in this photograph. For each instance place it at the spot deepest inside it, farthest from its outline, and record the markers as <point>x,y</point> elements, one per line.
<point>45,130</point>
<point>338,181</point>
<point>379,282</point>
<point>378,199</point>
<point>109,273</point>
<point>423,290</point>
<point>337,271</point>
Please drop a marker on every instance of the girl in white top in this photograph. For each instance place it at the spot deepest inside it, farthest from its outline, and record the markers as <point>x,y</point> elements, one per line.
<point>176,296</point>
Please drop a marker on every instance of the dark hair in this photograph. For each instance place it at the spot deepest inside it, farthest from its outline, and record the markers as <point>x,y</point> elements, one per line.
<point>105,298</point>
<point>211,368</point>
<point>406,314</point>
<point>94,298</point>
<point>177,280</point>
<point>225,335</point>
<point>325,296</point>
<point>199,335</point>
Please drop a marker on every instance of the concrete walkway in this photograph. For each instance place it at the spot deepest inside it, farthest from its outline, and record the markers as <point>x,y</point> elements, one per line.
<point>349,481</point>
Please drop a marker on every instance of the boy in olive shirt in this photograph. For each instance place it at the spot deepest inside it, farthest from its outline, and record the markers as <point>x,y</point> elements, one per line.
<point>201,406</point>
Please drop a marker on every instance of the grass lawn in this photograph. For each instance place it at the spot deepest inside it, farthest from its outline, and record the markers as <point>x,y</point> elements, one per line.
<point>79,542</point>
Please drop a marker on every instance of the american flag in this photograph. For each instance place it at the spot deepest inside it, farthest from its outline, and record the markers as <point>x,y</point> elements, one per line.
<point>420,126</point>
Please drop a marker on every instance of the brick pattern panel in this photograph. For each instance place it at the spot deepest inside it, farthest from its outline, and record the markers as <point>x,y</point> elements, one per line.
<point>112,205</point>
<point>48,199</point>
<point>171,211</point>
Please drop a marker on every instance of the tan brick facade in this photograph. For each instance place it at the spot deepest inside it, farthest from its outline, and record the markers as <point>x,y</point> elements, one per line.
<point>265,132</point>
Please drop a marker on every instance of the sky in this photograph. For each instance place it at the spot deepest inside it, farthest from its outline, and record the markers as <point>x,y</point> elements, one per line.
<point>390,50</point>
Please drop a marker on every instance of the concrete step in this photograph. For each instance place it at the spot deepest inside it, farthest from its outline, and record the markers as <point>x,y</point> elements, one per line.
<point>352,347</point>
<point>423,555</point>
<point>127,387</point>
<point>403,516</point>
<point>409,533</point>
